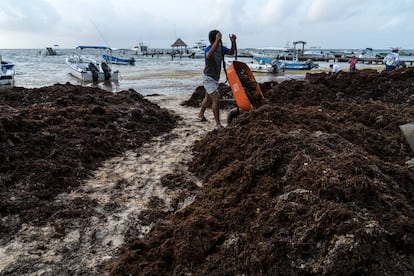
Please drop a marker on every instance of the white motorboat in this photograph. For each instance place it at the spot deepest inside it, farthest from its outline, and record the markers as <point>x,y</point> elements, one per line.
<point>197,51</point>
<point>255,66</point>
<point>140,49</point>
<point>52,51</point>
<point>6,73</point>
<point>88,69</point>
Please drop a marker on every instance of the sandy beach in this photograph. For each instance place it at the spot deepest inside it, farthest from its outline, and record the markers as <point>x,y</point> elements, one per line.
<point>314,181</point>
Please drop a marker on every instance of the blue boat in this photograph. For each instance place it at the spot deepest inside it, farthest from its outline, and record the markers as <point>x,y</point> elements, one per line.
<point>289,60</point>
<point>118,60</point>
<point>288,64</point>
<point>296,65</point>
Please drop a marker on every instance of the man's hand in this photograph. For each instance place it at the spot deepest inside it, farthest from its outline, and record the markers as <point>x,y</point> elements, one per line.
<point>218,37</point>
<point>232,37</point>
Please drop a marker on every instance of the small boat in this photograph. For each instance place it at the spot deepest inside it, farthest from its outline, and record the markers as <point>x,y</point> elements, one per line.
<point>119,58</point>
<point>197,51</point>
<point>316,53</point>
<point>367,53</point>
<point>256,66</point>
<point>50,51</point>
<point>400,53</point>
<point>288,64</point>
<point>6,73</point>
<point>288,58</point>
<point>140,49</point>
<point>271,53</point>
<point>345,53</point>
<point>88,69</point>
<point>296,64</point>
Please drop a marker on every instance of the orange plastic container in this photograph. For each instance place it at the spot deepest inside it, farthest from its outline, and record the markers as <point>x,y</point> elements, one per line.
<point>237,89</point>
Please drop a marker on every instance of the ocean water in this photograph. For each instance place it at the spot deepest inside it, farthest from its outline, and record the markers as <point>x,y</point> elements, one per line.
<point>149,75</point>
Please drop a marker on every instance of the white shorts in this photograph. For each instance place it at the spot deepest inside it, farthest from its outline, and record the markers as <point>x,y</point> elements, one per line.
<point>210,84</point>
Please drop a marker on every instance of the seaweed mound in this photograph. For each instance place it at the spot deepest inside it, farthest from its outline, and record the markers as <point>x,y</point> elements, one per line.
<point>312,182</point>
<point>51,138</point>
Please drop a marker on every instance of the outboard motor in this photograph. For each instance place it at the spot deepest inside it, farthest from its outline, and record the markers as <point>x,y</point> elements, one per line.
<point>107,70</point>
<point>92,67</point>
<point>278,68</point>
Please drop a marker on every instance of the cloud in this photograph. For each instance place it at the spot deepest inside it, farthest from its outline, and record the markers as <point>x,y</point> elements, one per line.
<point>327,10</point>
<point>27,16</point>
<point>391,23</point>
<point>158,23</point>
<point>277,12</point>
<point>219,14</point>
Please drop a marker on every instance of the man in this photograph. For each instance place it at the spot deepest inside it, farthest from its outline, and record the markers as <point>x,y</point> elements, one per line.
<point>335,68</point>
<point>352,64</point>
<point>392,60</point>
<point>214,54</point>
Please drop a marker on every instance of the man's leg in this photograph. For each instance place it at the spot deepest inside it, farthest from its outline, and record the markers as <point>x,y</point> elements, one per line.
<point>204,104</point>
<point>215,96</point>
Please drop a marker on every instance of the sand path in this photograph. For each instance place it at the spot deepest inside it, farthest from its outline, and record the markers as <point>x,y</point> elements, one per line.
<point>119,190</point>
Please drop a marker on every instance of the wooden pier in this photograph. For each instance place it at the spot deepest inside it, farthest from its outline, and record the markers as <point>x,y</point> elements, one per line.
<point>377,61</point>
<point>374,61</point>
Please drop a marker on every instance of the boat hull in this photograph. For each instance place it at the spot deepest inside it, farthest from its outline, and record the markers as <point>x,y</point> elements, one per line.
<point>259,68</point>
<point>7,73</point>
<point>296,65</point>
<point>256,66</point>
<point>289,64</point>
<point>87,76</point>
<point>80,69</point>
<point>118,60</point>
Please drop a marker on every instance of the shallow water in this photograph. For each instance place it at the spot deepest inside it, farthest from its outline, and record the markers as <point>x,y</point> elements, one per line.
<point>149,75</point>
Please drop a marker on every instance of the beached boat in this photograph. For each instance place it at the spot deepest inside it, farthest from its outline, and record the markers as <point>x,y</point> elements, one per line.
<point>88,69</point>
<point>6,73</point>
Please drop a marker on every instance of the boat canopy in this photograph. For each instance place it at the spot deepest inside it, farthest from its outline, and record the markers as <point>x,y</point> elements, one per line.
<point>93,47</point>
<point>273,48</point>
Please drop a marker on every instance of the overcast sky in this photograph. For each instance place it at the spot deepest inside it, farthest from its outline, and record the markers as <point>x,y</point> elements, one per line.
<point>348,24</point>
